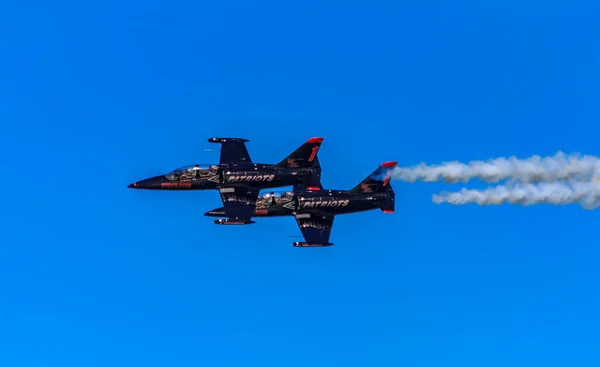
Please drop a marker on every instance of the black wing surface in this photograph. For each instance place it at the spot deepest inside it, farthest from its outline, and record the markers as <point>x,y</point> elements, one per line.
<point>233,150</point>
<point>315,228</point>
<point>239,203</point>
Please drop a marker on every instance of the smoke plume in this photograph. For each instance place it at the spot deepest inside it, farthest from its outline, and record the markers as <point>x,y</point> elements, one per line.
<point>533,169</point>
<point>586,194</point>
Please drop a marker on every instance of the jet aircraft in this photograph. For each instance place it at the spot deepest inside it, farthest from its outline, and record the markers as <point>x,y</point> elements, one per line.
<point>238,179</point>
<point>315,208</point>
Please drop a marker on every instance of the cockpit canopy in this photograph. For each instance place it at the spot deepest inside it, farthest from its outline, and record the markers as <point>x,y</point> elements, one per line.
<point>274,197</point>
<point>192,171</point>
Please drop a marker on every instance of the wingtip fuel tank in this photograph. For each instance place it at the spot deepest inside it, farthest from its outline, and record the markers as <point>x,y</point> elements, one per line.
<point>233,222</point>
<point>307,244</point>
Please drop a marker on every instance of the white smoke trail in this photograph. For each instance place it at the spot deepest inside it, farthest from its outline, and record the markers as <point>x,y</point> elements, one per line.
<point>533,169</point>
<point>586,194</point>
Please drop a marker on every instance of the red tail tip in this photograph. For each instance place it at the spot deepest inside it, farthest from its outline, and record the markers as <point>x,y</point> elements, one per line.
<point>389,164</point>
<point>315,140</point>
<point>387,211</point>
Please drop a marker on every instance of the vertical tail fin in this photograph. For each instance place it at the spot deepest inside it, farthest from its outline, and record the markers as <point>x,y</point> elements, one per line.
<point>378,181</point>
<point>389,203</point>
<point>314,181</point>
<point>303,157</point>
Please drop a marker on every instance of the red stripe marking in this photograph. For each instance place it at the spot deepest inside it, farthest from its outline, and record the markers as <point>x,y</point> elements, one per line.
<point>315,149</point>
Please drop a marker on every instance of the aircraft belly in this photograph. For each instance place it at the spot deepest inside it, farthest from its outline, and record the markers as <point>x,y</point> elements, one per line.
<point>361,206</point>
<point>272,211</point>
<point>187,185</point>
<point>204,185</point>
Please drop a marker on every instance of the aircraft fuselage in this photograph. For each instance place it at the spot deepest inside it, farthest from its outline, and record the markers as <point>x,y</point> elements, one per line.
<point>255,175</point>
<point>334,202</point>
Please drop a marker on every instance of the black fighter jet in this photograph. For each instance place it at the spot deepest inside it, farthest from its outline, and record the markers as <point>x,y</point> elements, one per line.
<point>315,208</point>
<point>238,179</point>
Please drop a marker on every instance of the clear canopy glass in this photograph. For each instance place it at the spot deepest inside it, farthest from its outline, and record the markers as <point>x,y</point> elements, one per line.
<point>275,197</point>
<point>191,172</point>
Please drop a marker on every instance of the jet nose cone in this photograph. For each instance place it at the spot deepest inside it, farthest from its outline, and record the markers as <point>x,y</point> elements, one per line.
<point>152,183</point>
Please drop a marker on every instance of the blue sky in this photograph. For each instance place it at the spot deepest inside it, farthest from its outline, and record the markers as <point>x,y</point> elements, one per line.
<point>97,95</point>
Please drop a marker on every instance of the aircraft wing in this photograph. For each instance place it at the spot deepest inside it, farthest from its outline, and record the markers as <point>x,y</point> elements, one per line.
<point>232,150</point>
<point>239,203</point>
<point>315,228</point>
